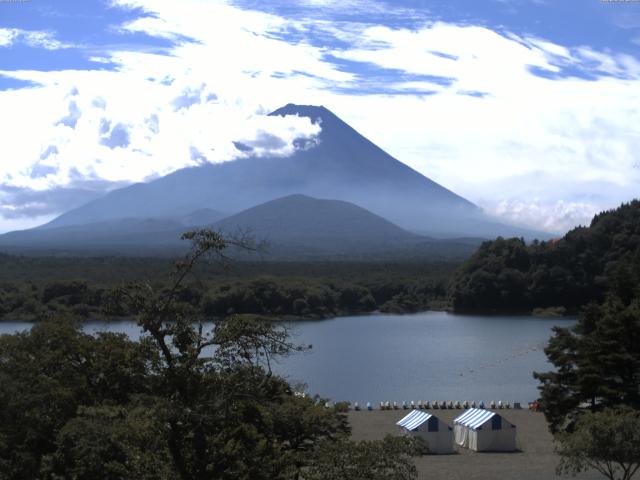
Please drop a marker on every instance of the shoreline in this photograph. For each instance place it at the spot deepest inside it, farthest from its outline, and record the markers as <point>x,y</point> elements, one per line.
<point>289,318</point>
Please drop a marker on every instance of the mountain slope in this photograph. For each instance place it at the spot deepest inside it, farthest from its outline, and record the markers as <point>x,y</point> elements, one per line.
<point>343,165</point>
<point>324,224</point>
<point>293,227</point>
<point>112,234</point>
<point>302,227</point>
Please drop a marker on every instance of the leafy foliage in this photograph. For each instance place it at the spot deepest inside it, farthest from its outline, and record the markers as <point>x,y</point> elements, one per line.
<point>110,442</point>
<point>607,441</point>
<point>597,363</point>
<point>389,459</point>
<point>190,400</point>
<point>507,274</point>
<point>305,290</point>
<point>598,360</point>
<point>48,373</point>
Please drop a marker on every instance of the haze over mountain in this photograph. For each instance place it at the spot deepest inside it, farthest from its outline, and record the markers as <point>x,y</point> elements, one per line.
<point>340,164</point>
<point>110,235</point>
<point>296,226</point>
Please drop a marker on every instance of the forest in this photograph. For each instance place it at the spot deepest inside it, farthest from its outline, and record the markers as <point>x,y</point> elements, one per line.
<point>81,406</point>
<point>563,274</point>
<point>92,287</point>
<point>85,407</point>
<point>504,275</point>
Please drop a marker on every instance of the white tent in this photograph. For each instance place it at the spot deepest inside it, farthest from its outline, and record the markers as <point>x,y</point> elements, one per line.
<point>437,434</point>
<point>483,430</point>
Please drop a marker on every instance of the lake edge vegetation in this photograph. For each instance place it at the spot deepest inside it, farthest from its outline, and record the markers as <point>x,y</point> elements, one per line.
<point>278,290</point>
<point>562,275</point>
<point>80,406</point>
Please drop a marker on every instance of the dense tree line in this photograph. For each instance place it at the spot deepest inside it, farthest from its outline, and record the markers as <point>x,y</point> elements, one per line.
<point>109,270</point>
<point>581,267</point>
<point>73,405</point>
<point>597,360</point>
<point>274,296</point>
<point>592,397</point>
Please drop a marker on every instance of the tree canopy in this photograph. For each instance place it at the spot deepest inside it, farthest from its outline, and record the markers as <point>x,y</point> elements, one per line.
<point>190,400</point>
<point>306,290</point>
<point>581,267</point>
<point>597,363</point>
<point>607,441</point>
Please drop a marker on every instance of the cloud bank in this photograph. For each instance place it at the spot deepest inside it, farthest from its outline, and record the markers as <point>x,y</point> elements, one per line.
<point>523,126</point>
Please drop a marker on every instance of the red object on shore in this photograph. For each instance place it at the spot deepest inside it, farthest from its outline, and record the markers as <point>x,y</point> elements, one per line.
<point>535,406</point>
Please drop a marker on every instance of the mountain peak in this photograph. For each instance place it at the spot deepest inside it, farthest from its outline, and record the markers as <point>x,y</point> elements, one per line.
<point>310,111</point>
<point>342,164</point>
<point>320,224</point>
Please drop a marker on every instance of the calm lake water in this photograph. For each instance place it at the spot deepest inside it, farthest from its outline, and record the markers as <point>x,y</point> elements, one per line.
<point>425,356</point>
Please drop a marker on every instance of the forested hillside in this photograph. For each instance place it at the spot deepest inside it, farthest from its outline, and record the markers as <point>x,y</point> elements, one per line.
<point>581,267</point>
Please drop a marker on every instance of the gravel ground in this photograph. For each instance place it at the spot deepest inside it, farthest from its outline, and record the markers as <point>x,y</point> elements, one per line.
<point>535,459</point>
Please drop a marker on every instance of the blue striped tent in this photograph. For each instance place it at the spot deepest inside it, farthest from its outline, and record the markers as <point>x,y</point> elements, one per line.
<point>437,434</point>
<point>484,430</point>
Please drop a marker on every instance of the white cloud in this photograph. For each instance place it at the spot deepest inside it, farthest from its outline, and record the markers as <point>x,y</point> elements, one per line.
<point>556,217</point>
<point>160,112</point>
<point>574,130</point>
<point>120,127</point>
<point>32,38</point>
<point>6,36</point>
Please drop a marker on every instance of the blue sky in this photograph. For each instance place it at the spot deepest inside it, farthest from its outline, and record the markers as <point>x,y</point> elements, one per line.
<point>529,108</point>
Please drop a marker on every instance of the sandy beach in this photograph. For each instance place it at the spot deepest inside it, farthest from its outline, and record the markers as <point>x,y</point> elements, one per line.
<point>535,459</point>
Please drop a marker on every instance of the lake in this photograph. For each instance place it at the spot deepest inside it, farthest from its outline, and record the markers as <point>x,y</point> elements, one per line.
<point>424,356</point>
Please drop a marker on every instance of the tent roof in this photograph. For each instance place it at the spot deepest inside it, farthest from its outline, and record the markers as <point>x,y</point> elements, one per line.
<point>474,418</point>
<point>414,420</point>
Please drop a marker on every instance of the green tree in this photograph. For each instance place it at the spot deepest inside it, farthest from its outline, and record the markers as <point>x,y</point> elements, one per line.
<point>389,459</point>
<point>493,278</point>
<point>190,400</point>
<point>47,374</point>
<point>218,407</point>
<point>110,443</point>
<point>584,266</point>
<point>607,441</point>
<point>597,363</point>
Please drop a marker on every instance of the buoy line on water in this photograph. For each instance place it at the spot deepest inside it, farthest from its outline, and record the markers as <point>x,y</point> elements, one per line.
<point>515,355</point>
